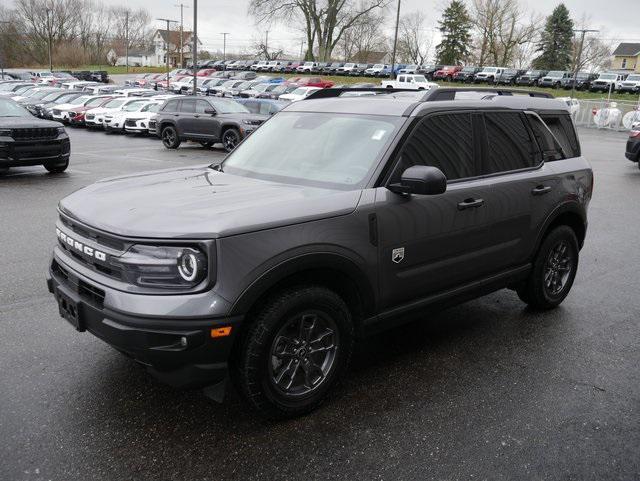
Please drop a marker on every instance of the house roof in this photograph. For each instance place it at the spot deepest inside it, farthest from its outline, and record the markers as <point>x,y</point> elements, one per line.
<point>174,36</point>
<point>627,50</point>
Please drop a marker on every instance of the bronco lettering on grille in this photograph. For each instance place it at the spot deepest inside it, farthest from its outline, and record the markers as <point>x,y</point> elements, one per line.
<point>80,247</point>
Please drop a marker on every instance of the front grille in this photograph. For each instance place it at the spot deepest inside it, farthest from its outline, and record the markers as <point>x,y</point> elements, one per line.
<point>56,112</point>
<point>130,123</point>
<point>94,295</point>
<point>45,133</point>
<point>89,116</point>
<point>97,237</point>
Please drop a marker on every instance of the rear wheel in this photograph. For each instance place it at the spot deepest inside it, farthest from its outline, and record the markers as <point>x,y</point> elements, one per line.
<point>170,137</point>
<point>294,352</point>
<point>230,139</point>
<point>554,270</point>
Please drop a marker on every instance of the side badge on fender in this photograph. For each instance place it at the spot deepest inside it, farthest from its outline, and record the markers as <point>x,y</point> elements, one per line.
<point>397,255</point>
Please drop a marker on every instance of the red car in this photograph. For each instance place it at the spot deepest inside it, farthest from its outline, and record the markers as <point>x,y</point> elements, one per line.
<point>149,79</point>
<point>206,72</point>
<point>446,73</point>
<point>162,84</point>
<point>311,82</point>
<point>76,115</point>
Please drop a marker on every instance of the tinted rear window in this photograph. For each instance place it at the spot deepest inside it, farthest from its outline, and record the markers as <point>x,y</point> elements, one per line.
<point>562,127</point>
<point>509,146</point>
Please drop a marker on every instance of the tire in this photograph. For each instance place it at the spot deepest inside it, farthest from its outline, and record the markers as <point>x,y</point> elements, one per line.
<point>269,367</point>
<point>556,261</point>
<point>57,169</point>
<point>230,139</point>
<point>206,144</point>
<point>170,138</point>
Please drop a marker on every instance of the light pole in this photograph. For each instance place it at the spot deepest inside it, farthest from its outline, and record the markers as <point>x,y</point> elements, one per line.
<point>395,42</point>
<point>182,7</point>
<point>194,54</point>
<point>584,31</point>
<point>168,43</point>
<point>4,51</point>
<point>224,49</point>
<point>126,39</point>
<point>49,39</point>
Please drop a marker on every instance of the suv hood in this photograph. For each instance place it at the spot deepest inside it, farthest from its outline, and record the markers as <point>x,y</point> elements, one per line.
<point>200,203</point>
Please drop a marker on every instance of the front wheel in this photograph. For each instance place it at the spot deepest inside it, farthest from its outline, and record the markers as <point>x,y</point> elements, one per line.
<point>554,270</point>
<point>58,168</point>
<point>170,137</point>
<point>294,352</point>
<point>230,139</point>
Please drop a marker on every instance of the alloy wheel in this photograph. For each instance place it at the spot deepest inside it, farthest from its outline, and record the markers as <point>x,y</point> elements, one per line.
<point>303,353</point>
<point>557,268</point>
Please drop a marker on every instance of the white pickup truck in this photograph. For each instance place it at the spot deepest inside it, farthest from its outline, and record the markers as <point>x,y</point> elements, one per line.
<point>408,81</point>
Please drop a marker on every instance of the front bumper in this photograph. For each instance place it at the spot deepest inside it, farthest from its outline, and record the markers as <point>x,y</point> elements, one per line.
<point>633,150</point>
<point>634,89</point>
<point>14,153</point>
<point>181,352</point>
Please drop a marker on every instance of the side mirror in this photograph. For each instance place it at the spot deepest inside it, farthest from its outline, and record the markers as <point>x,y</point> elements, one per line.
<point>210,111</point>
<point>420,180</point>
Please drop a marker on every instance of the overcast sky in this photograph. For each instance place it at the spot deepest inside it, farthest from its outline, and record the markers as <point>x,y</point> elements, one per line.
<point>618,19</point>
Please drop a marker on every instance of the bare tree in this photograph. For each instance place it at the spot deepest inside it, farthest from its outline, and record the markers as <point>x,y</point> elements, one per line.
<point>325,21</point>
<point>414,43</point>
<point>503,28</point>
<point>363,38</point>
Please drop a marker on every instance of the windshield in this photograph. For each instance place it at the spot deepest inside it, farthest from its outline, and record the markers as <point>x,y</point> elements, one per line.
<point>468,69</point>
<point>340,150</point>
<point>419,78</point>
<point>65,98</point>
<point>349,65</point>
<point>150,108</point>
<point>93,102</point>
<point>608,76</point>
<point>228,107</point>
<point>40,94</point>
<point>133,106</point>
<point>378,65</point>
<point>555,74</point>
<point>113,104</point>
<point>634,78</point>
<point>261,87</point>
<point>7,87</point>
<point>52,96</point>
<point>80,100</point>
<point>490,70</point>
<point>8,108</point>
<point>23,90</point>
<point>299,91</point>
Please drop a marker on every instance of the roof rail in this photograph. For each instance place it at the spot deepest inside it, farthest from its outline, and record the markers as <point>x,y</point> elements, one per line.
<point>337,92</point>
<point>449,93</point>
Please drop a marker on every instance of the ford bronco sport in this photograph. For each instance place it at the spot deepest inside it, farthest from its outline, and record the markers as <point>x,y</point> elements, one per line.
<point>269,265</point>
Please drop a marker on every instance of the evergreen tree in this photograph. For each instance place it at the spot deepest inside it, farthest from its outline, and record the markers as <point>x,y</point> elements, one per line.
<point>556,41</point>
<point>455,26</point>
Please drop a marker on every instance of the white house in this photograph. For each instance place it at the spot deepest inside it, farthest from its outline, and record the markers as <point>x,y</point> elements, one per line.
<point>137,58</point>
<point>169,43</point>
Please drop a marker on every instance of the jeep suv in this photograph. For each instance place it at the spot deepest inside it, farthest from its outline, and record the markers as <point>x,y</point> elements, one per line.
<point>206,120</point>
<point>337,218</point>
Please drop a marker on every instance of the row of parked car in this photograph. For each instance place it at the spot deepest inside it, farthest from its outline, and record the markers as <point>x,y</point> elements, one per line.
<point>51,78</point>
<point>614,81</point>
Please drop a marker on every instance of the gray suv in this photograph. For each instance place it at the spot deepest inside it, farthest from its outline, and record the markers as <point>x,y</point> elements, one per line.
<point>205,120</point>
<point>339,217</point>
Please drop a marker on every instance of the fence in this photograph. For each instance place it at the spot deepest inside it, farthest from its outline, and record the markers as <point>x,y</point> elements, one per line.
<point>606,114</point>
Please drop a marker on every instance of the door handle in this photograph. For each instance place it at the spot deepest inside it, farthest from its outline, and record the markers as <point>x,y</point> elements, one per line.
<point>470,204</point>
<point>196,116</point>
<point>541,190</point>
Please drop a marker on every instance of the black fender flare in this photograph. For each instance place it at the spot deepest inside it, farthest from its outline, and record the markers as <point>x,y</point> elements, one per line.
<point>567,207</point>
<point>320,261</point>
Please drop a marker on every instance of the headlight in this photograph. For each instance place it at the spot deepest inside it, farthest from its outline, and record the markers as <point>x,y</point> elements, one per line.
<point>61,130</point>
<point>163,266</point>
<point>251,122</point>
<point>5,133</point>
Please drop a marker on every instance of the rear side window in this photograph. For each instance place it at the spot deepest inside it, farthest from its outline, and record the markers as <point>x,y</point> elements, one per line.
<point>442,141</point>
<point>171,106</point>
<point>562,127</point>
<point>549,146</point>
<point>188,106</point>
<point>509,146</point>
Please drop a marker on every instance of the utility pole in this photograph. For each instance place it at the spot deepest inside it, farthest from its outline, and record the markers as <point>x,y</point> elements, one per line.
<point>395,42</point>
<point>3,58</point>
<point>224,49</point>
<point>583,31</point>
<point>194,54</point>
<point>168,44</point>
<point>266,46</point>
<point>182,7</point>
<point>49,38</point>
<point>126,38</point>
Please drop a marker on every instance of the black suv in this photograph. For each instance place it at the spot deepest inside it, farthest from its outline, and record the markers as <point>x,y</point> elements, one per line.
<point>337,218</point>
<point>466,75</point>
<point>206,120</point>
<point>28,140</point>
<point>583,81</point>
<point>531,77</point>
<point>509,77</point>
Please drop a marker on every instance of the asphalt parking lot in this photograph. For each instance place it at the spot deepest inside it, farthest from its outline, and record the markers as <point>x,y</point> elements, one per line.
<point>485,390</point>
